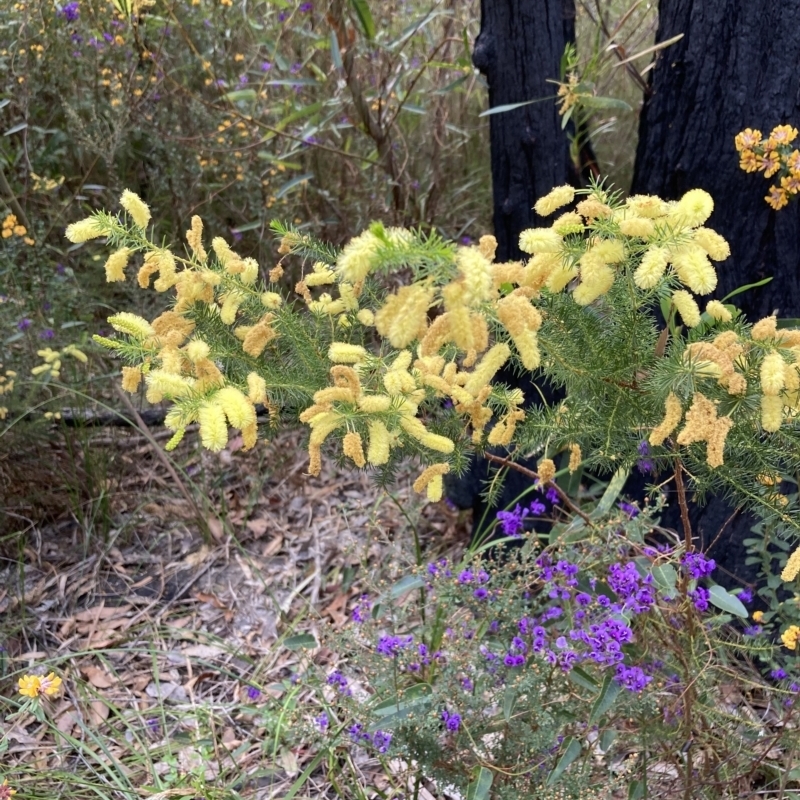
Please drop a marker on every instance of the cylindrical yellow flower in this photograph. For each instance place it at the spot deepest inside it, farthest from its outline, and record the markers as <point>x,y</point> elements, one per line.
<point>353,448</point>
<point>694,269</point>
<point>379,443</point>
<point>256,388</point>
<point>213,430</point>
<point>637,227</point>
<point>686,307</point>
<point>718,312</point>
<point>555,198</point>
<point>237,407</point>
<point>546,470</point>
<point>651,268</point>
<point>116,263</point>
<point>343,353</point>
<point>540,240</point>
<point>431,479</point>
<point>715,245</point>
<point>131,378</point>
<point>358,257</point>
<point>404,315</point>
<point>414,428</point>
<point>771,413</point>
<point>136,207</point>
<point>595,282</point>
<point>132,324</point>
<point>84,230</point>
<point>560,277</point>
<point>672,416</point>
<point>488,367</point>
<point>773,370</point>
<point>477,275</point>
<point>792,568</point>
<point>694,208</point>
<point>575,457</point>
<point>766,328</point>
<point>194,238</point>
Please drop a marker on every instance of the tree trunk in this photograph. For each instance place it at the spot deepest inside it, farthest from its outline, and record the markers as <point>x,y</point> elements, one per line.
<point>735,67</point>
<point>519,48</point>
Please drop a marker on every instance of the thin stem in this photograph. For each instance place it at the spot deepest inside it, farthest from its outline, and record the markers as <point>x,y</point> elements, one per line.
<point>687,527</point>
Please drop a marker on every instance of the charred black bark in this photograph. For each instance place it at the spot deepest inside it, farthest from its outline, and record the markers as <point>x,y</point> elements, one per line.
<point>519,48</point>
<point>735,67</point>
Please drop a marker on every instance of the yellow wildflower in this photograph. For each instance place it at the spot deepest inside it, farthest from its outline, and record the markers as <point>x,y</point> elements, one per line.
<point>748,161</point>
<point>717,311</point>
<point>358,257</point>
<point>487,245</point>
<point>404,316</point>
<point>560,277</point>
<point>414,428</point>
<point>477,272</point>
<point>790,636</point>
<point>116,263</point>
<point>651,268</point>
<point>488,367</point>
<point>343,353</point>
<point>637,227</point>
<point>771,413</point>
<point>777,198</point>
<point>136,207</point>
<point>596,280</point>
<point>353,448</point>
<point>431,479</point>
<point>131,378</point>
<point>213,430</point>
<point>694,208</point>
<point>792,568</point>
<point>37,685</point>
<point>783,134</point>
<point>132,324</point>
<point>575,457</point>
<point>591,208</point>
<point>773,370</point>
<point>686,307</point>
<point>259,336</point>
<point>645,205</point>
<point>84,230</point>
<point>571,222</point>
<point>237,407</point>
<point>194,237</point>
<point>540,240</point>
<point>379,442</point>
<point>560,196</point>
<point>256,388</point>
<point>672,416</point>
<point>546,469</point>
<point>694,269</point>
<point>769,162</point>
<point>747,139</point>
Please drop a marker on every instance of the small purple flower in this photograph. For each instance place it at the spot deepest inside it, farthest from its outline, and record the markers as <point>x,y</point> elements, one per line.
<point>700,597</point>
<point>632,678</point>
<point>71,11</point>
<point>243,79</point>
<point>746,595</point>
<point>451,721</point>
<point>752,630</point>
<point>358,734</point>
<point>266,66</point>
<point>645,466</point>
<point>629,509</point>
<point>583,599</point>
<point>24,324</point>
<point>466,241</point>
<point>109,37</point>
<point>322,721</point>
<point>304,8</point>
<point>466,577</point>
<point>794,687</point>
<point>253,693</point>
<point>47,333</point>
<point>152,725</point>
<point>338,680</point>
<point>467,684</point>
<point>697,565</point>
<point>552,496</point>
<point>76,38</point>
<point>361,609</point>
<point>282,16</point>
<point>381,741</point>
<point>512,521</point>
<point>537,507</point>
<point>390,646</point>
<point>295,68</point>
<point>480,594</point>
<point>778,674</point>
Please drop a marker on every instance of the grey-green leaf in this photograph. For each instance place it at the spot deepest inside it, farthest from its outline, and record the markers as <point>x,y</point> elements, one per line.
<point>727,602</point>
<point>571,752</point>
<point>480,785</point>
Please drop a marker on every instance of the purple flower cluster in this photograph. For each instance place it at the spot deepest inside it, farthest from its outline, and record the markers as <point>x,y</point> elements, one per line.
<point>630,510</point>
<point>451,721</point>
<point>361,610</point>
<point>698,566</point>
<point>635,592</point>
<point>512,522</point>
<point>337,680</point>
<point>700,597</point>
<point>390,646</point>
<point>380,740</point>
<point>644,464</point>
<point>439,568</point>
<point>632,678</point>
<point>70,12</point>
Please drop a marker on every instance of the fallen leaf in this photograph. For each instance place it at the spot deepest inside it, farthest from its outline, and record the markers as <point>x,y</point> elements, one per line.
<point>98,677</point>
<point>98,712</point>
<point>258,527</point>
<point>196,559</point>
<point>202,651</point>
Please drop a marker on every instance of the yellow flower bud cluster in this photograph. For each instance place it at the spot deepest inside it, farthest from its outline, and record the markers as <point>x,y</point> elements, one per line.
<point>6,387</point>
<point>775,154</point>
<point>11,227</point>
<point>703,425</point>
<point>792,568</point>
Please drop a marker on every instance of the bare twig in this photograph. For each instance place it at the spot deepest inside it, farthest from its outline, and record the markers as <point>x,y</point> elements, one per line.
<point>687,526</point>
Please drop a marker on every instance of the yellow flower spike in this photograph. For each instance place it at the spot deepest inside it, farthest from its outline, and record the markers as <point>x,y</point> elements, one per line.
<point>414,428</point>
<point>73,351</point>
<point>694,269</point>
<point>575,457</point>
<point>686,307</point>
<point>404,316</point>
<point>771,413</point>
<point>259,336</point>
<point>672,416</point>
<point>353,448</point>
<point>651,268</point>
<point>374,403</point>
<point>194,238</point>
<point>476,271</point>
<point>560,277</point>
<point>224,254</point>
<point>208,375</point>
<point>358,257</point>
<point>131,324</point>
<point>366,317</point>
<point>196,350</point>
<point>379,443</point>
<point>487,245</point>
<point>131,378</point>
<point>766,328</point>
<point>249,273</point>
<point>591,208</point>
<point>554,199</point>
<point>790,637</point>
<point>715,245</point>
<point>596,280</point>
<point>271,300</point>
<point>230,306</point>
<point>256,388</point>
<point>438,333</point>
<point>792,568</point>
<point>343,353</point>
<point>715,443</point>
<point>213,430</point>
<point>637,227</point>
<point>237,407</point>
<point>487,368</point>
<point>334,394</point>
<point>546,469</point>
<point>84,230</point>
<point>694,208</point>
<point>136,208</point>
<point>431,480</point>
<point>540,240</point>
<point>718,312</point>
<point>648,206</point>
<point>116,263</point>
<point>161,384</point>
<point>323,424</point>
<point>346,376</point>
<point>773,370</point>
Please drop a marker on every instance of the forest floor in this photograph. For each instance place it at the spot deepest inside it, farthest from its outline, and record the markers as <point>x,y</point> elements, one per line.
<point>170,640</point>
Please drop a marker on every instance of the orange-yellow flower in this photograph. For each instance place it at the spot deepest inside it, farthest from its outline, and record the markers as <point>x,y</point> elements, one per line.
<point>770,162</point>
<point>777,197</point>
<point>36,685</point>
<point>748,138</point>
<point>791,183</point>
<point>6,792</point>
<point>748,161</point>
<point>783,134</point>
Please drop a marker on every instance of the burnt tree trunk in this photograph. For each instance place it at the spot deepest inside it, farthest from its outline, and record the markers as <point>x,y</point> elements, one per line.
<point>519,48</point>
<point>735,67</point>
